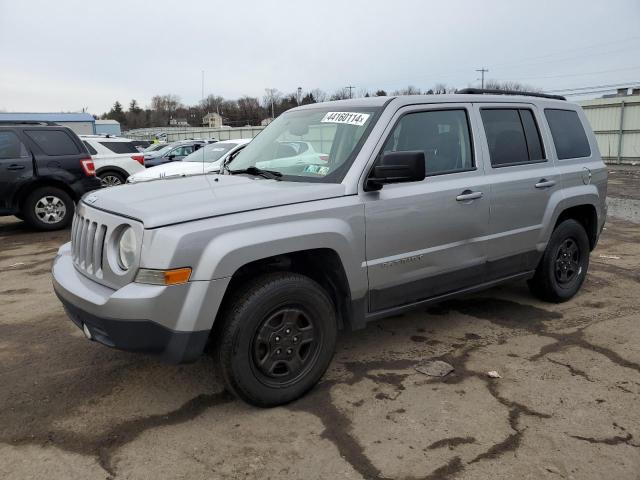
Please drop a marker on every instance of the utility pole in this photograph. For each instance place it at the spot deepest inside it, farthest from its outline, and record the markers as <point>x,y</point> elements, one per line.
<point>350,91</point>
<point>482,72</point>
<point>203,88</point>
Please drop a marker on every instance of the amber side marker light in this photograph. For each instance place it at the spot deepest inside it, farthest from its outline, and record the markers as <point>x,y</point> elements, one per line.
<point>174,276</point>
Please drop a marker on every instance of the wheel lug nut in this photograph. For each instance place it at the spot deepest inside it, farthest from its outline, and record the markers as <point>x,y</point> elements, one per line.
<point>295,339</point>
<point>287,331</point>
<point>278,352</point>
<point>289,351</point>
<point>277,339</point>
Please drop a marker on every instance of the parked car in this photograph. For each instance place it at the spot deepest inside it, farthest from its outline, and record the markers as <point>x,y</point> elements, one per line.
<point>173,152</point>
<point>115,158</point>
<point>205,160</point>
<point>292,153</point>
<point>422,198</point>
<point>154,147</point>
<point>44,170</point>
<point>141,145</point>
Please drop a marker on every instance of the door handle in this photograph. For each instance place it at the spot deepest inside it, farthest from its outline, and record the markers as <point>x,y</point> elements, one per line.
<point>468,195</point>
<point>544,183</point>
<point>15,166</point>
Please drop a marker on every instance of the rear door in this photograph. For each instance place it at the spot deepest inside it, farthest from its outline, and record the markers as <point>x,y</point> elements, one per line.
<point>523,178</point>
<point>16,167</point>
<point>57,152</point>
<point>425,239</point>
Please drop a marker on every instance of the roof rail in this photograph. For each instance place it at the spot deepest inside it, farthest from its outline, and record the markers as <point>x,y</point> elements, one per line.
<point>28,122</point>
<point>509,92</point>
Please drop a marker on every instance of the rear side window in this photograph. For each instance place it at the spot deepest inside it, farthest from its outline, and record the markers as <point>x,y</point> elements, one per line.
<point>443,136</point>
<point>512,135</point>
<point>92,150</point>
<point>568,134</point>
<point>54,142</point>
<point>11,146</point>
<point>120,147</point>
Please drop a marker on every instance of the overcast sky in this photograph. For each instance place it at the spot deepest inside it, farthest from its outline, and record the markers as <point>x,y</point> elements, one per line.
<point>63,55</point>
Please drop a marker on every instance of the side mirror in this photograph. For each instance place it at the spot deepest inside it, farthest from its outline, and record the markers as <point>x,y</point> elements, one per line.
<point>396,167</point>
<point>171,157</point>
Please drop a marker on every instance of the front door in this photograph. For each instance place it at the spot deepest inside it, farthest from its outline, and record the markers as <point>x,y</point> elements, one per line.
<point>425,239</point>
<point>16,167</point>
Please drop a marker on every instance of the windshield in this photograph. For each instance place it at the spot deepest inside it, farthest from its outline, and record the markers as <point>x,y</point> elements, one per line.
<point>210,153</point>
<point>316,145</point>
<point>154,147</point>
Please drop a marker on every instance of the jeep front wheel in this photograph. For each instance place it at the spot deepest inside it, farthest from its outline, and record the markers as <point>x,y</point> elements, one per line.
<point>276,339</point>
<point>564,264</point>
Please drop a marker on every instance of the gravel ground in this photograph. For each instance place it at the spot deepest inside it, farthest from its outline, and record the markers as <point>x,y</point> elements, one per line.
<point>565,407</point>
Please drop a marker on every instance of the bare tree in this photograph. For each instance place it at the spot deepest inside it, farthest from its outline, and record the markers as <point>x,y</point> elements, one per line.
<point>271,97</point>
<point>409,90</point>
<point>510,85</point>
<point>319,95</point>
<point>341,94</point>
<point>211,103</point>
<point>380,93</point>
<point>441,88</point>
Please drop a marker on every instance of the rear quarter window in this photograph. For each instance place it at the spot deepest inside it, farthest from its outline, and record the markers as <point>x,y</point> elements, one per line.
<point>92,150</point>
<point>54,142</point>
<point>568,134</point>
<point>120,147</point>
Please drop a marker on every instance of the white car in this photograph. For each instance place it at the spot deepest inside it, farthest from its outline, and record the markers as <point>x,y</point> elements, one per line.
<point>205,160</point>
<point>295,152</point>
<point>115,158</point>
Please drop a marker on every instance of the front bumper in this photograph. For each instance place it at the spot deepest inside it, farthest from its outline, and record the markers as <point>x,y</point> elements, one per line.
<point>173,322</point>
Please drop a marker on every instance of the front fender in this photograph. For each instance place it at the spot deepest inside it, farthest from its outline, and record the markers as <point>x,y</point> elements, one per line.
<point>229,251</point>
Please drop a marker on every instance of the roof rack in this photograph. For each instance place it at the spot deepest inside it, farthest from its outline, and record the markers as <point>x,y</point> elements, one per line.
<point>28,122</point>
<point>508,92</point>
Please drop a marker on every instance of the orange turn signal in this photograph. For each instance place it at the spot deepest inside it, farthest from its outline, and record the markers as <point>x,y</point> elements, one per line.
<point>177,276</point>
<point>174,276</point>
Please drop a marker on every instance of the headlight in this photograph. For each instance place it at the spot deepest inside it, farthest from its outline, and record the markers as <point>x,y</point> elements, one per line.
<point>127,248</point>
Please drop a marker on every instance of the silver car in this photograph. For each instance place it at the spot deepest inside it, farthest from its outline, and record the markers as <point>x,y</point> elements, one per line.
<point>413,200</point>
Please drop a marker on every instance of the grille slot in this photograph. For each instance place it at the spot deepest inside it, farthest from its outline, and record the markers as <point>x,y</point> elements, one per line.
<point>87,244</point>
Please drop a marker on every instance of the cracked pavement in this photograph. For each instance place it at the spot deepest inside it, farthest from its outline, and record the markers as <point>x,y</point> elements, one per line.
<point>565,407</point>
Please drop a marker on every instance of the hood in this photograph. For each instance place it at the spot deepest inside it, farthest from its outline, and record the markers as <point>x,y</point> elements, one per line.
<point>183,199</point>
<point>173,169</point>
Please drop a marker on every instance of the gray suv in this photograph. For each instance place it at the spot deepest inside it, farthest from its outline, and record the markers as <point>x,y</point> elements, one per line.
<point>406,201</point>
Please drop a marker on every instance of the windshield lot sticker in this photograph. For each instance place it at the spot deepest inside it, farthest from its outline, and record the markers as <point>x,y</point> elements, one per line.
<point>348,118</point>
<point>316,169</point>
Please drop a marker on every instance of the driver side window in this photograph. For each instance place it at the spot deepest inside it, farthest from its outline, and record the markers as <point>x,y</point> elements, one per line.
<point>442,135</point>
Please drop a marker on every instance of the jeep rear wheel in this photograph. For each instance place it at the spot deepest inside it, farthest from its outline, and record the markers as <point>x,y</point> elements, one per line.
<point>276,339</point>
<point>564,265</point>
<point>48,208</point>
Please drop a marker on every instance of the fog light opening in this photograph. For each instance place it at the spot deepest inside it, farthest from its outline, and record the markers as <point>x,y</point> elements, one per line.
<point>87,332</point>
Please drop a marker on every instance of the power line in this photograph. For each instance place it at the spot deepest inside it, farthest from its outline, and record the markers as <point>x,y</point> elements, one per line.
<point>591,87</point>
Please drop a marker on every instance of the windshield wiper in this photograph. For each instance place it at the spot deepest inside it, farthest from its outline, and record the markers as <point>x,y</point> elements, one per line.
<point>270,174</point>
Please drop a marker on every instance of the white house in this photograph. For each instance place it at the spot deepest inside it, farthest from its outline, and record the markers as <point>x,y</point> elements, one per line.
<point>212,120</point>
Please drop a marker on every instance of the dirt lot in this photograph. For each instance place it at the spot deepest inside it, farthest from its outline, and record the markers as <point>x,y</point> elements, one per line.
<point>567,405</point>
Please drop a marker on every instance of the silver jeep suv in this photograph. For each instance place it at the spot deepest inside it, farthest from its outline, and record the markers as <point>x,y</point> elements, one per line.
<point>404,201</point>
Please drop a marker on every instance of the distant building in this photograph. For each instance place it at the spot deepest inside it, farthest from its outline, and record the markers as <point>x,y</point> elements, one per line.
<point>108,127</point>
<point>212,120</point>
<point>615,120</point>
<point>179,122</point>
<point>266,121</point>
<point>81,123</point>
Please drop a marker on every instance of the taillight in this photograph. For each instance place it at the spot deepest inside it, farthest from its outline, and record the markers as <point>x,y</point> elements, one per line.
<point>324,158</point>
<point>139,159</point>
<point>88,167</point>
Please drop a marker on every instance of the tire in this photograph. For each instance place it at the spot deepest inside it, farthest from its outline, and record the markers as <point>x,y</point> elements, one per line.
<point>276,339</point>
<point>48,208</point>
<point>111,178</point>
<point>564,264</point>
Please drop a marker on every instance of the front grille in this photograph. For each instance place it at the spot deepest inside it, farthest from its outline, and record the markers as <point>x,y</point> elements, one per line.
<point>87,244</point>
